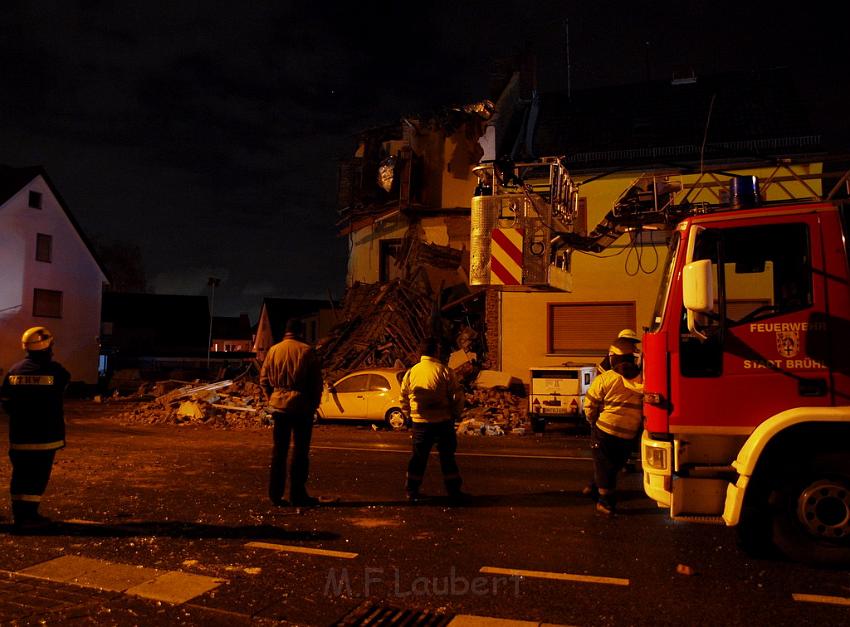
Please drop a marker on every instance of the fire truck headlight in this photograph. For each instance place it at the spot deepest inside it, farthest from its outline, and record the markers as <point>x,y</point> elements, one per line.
<point>655,457</point>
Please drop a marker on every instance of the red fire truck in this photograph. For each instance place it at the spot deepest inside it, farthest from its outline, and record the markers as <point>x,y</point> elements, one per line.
<point>747,377</point>
<point>746,360</point>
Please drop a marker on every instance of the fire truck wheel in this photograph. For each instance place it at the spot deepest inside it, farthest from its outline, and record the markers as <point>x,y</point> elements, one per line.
<point>395,419</point>
<point>812,516</point>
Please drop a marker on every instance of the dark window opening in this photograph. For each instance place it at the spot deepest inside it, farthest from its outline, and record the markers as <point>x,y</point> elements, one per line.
<point>389,263</point>
<point>35,200</point>
<point>47,303</point>
<point>44,247</point>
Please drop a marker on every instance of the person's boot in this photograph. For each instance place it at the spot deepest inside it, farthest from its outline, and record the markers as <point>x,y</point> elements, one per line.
<point>606,504</point>
<point>591,491</point>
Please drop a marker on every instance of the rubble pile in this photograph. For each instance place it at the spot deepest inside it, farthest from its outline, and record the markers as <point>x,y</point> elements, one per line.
<point>384,323</point>
<point>494,411</point>
<point>224,404</point>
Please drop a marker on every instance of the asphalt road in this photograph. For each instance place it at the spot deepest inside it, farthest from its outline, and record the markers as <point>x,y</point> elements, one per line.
<point>170,525</point>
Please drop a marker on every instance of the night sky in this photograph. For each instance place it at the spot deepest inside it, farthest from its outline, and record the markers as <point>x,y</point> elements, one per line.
<point>208,133</point>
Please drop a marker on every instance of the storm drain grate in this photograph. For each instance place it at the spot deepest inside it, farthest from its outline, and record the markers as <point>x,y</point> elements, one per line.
<point>375,615</point>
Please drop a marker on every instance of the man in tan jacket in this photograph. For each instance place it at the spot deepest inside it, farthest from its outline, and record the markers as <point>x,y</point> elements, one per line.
<point>291,378</point>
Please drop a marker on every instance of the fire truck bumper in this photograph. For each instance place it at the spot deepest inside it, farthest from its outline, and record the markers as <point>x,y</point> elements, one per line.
<point>657,461</point>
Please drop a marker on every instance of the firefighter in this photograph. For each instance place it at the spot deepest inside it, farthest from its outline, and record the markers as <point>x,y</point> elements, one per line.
<point>624,338</point>
<point>613,405</point>
<point>32,394</point>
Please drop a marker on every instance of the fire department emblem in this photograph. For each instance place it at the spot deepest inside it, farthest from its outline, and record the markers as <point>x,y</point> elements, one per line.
<point>787,343</point>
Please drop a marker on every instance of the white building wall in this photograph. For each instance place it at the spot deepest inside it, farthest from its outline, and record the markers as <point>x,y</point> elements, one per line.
<point>73,271</point>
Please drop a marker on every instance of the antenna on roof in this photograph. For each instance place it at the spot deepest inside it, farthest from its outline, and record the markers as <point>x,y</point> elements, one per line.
<point>567,56</point>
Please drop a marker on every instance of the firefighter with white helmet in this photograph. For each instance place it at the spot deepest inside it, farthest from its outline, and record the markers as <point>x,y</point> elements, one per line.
<point>32,394</point>
<point>614,407</point>
<point>625,339</point>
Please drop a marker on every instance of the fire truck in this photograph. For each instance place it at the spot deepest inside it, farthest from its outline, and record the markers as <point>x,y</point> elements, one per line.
<point>746,358</point>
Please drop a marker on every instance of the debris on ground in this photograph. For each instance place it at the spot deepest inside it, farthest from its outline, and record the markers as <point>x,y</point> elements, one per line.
<point>237,403</point>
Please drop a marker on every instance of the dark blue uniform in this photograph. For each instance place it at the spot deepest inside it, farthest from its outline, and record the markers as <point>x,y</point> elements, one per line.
<point>32,395</point>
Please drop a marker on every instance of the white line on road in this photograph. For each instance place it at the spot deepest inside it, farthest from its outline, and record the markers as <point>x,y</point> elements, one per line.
<point>301,549</point>
<point>540,574</point>
<point>820,598</point>
<point>458,454</point>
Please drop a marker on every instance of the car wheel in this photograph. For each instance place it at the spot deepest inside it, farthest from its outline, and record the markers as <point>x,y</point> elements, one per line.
<point>811,512</point>
<point>395,419</point>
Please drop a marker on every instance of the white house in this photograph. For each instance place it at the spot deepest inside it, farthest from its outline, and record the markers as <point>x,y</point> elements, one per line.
<point>49,275</point>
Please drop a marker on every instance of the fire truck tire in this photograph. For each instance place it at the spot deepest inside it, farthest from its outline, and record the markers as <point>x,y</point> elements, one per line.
<point>811,521</point>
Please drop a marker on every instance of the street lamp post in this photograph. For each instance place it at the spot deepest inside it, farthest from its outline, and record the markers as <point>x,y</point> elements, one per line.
<point>212,283</point>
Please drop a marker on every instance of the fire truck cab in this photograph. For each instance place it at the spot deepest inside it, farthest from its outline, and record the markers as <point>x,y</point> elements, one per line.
<point>747,378</point>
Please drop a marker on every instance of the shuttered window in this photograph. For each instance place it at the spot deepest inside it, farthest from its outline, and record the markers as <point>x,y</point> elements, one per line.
<point>587,327</point>
<point>47,303</point>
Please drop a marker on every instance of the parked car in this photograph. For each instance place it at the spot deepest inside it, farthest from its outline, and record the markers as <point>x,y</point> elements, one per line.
<point>373,395</point>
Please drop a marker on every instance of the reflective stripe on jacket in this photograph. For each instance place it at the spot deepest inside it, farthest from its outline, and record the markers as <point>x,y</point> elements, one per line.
<point>430,392</point>
<point>615,404</point>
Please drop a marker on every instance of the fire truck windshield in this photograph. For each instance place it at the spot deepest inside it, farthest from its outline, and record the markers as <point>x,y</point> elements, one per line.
<point>664,288</point>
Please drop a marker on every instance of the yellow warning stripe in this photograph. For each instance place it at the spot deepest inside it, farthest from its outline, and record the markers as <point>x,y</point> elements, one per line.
<point>539,574</point>
<point>30,379</point>
<point>820,598</point>
<point>301,549</point>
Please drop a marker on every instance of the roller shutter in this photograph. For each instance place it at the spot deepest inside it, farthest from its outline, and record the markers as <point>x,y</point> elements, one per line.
<point>579,327</point>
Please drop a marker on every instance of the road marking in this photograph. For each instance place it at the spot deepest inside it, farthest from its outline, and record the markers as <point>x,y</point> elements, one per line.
<point>820,598</point>
<point>458,454</point>
<point>149,583</point>
<point>540,574</point>
<point>301,549</point>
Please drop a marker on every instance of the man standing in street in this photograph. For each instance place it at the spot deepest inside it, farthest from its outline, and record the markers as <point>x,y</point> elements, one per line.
<point>433,399</point>
<point>291,378</point>
<point>32,395</point>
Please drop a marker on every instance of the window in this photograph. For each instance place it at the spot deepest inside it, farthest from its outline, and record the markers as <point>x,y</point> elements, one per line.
<point>43,247</point>
<point>766,270</point>
<point>587,327</point>
<point>377,383</point>
<point>47,303</point>
<point>389,251</point>
<point>35,200</point>
<point>357,383</point>
<point>759,272</point>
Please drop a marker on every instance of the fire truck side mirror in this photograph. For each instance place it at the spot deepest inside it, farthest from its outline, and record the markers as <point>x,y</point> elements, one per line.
<point>697,293</point>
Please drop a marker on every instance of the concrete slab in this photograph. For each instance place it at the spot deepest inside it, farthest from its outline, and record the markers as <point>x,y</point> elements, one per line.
<point>175,587</point>
<point>116,577</point>
<point>65,568</point>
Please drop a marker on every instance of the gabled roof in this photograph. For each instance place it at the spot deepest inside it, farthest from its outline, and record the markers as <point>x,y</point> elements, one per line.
<point>279,310</point>
<point>13,180</point>
<point>737,114</point>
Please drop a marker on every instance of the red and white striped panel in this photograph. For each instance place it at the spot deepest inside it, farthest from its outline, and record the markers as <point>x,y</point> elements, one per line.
<point>506,257</point>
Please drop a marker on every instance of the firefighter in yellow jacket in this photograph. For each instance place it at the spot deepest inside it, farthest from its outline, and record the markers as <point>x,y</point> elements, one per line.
<point>433,399</point>
<point>614,407</point>
<point>32,395</point>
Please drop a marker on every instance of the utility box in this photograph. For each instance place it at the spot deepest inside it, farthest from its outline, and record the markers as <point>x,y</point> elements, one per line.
<point>557,394</point>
